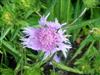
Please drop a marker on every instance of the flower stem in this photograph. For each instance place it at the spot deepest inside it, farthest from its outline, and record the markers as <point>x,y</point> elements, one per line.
<point>82,13</point>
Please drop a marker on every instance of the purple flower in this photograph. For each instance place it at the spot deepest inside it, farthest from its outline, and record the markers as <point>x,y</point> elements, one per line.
<point>49,37</point>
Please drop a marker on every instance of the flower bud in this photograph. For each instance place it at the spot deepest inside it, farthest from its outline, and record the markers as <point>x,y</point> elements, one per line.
<point>7,17</point>
<point>90,3</point>
<point>26,3</point>
<point>96,33</point>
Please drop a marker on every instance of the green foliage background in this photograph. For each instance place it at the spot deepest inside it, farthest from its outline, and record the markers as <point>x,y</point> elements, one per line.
<point>83,24</point>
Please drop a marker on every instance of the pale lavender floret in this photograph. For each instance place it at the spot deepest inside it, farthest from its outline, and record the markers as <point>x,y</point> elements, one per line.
<point>54,25</point>
<point>49,38</point>
<point>64,48</point>
<point>43,21</point>
<point>56,58</point>
<point>31,41</point>
<point>30,31</point>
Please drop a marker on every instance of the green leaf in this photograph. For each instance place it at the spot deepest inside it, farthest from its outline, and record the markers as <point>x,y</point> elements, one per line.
<point>80,25</point>
<point>88,39</point>
<point>60,8</point>
<point>11,49</point>
<point>6,71</point>
<point>66,68</point>
<point>35,69</point>
<point>5,33</point>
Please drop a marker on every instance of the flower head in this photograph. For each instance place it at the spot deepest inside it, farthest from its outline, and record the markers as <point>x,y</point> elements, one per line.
<point>49,37</point>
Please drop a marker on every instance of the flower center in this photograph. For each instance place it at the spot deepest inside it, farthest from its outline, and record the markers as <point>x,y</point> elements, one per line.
<point>48,38</point>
